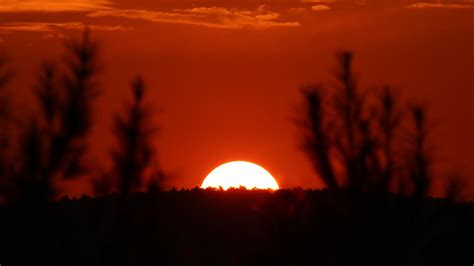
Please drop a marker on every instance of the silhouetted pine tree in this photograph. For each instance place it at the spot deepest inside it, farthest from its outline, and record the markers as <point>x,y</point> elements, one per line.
<point>389,119</point>
<point>68,145</point>
<point>48,96</point>
<point>134,157</point>
<point>362,137</point>
<point>35,178</point>
<point>368,161</point>
<point>353,139</point>
<point>317,143</point>
<point>4,108</point>
<point>34,186</point>
<point>50,101</point>
<point>5,74</point>
<point>53,145</point>
<point>418,158</point>
<point>5,118</point>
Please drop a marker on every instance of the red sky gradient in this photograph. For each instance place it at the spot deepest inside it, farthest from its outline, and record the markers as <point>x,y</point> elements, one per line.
<point>225,75</point>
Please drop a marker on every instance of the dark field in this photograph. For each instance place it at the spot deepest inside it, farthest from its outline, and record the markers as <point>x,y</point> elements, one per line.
<point>238,227</point>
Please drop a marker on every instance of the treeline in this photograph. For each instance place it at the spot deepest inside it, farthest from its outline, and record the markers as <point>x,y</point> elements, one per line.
<point>240,227</point>
<point>369,140</point>
<point>355,140</point>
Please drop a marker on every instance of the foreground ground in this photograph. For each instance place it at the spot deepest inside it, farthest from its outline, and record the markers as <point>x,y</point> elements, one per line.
<point>237,227</point>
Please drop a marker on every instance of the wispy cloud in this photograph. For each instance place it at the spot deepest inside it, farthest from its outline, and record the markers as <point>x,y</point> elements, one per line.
<point>318,1</point>
<point>53,27</point>
<point>320,8</point>
<point>440,5</point>
<point>53,5</point>
<point>453,4</point>
<point>214,17</point>
<point>54,35</point>
<point>297,9</point>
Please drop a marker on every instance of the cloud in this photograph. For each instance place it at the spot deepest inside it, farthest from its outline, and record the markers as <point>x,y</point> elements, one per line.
<point>52,5</point>
<point>340,2</point>
<point>52,27</point>
<point>297,9</point>
<point>54,35</point>
<point>396,3</point>
<point>320,8</point>
<point>213,17</point>
<point>318,1</point>
<point>439,5</point>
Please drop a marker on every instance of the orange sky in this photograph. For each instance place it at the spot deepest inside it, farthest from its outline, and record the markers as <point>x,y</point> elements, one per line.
<point>225,74</point>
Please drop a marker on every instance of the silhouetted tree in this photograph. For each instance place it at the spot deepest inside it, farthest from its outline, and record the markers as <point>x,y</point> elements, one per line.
<point>455,187</point>
<point>389,118</point>
<point>80,89</point>
<point>35,179</point>
<point>5,75</point>
<point>4,72</point>
<point>34,186</point>
<point>49,98</point>
<point>4,110</point>
<point>353,139</point>
<point>418,158</point>
<point>317,141</point>
<point>54,143</point>
<point>135,153</point>
<point>362,137</point>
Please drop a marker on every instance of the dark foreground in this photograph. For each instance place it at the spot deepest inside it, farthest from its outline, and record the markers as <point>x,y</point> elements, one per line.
<point>198,227</point>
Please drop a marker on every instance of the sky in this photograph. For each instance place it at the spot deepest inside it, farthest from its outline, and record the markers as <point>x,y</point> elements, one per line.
<point>224,76</point>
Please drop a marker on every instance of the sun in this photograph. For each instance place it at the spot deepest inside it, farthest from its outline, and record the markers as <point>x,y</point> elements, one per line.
<point>240,173</point>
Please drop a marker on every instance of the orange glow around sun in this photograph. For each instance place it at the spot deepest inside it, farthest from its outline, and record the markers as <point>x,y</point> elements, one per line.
<point>240,173</point>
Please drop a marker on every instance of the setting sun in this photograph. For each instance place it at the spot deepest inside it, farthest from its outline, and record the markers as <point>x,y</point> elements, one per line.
<point>240,173</point>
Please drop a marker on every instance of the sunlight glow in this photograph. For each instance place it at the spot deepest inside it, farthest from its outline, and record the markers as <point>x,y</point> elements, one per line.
<point>240,173</point>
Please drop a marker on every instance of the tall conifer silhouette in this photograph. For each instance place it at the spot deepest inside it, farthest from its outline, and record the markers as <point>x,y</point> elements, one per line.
<point>419,161</point>
<point>352,133</point>
<point>5,119</point>
<point>35,173</point>
<point>317,143</point>
<point>389,119</point>
<point>53,144</point>
<point>134,156</point>
<point>80,89</point>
